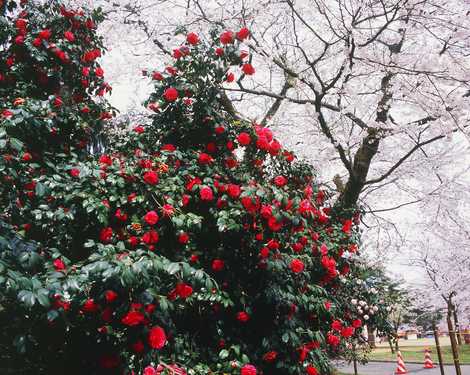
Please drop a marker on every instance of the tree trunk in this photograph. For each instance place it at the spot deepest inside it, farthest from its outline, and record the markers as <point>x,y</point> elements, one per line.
<point>453,341</point>
<point>457,326</point>
<point>371,337</point>
<point>438,348</point>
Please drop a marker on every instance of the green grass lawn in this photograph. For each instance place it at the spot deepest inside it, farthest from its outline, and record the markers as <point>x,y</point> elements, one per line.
<point>416,354</point>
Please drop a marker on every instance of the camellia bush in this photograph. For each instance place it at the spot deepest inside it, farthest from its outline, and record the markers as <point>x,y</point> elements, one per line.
<point>193,244</point>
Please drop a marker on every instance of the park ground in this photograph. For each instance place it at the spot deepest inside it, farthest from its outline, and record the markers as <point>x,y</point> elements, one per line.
<point>383,362</point>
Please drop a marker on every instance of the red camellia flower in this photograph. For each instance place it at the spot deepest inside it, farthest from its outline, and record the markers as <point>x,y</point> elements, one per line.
<point>206,193</point>
<point>226,37</point>
<point>150,237</point>
<point>59,265</point>
<point>151,177</point>
<point>336,325</point>
<point>248,370</point>
<point>149,370</point>
<point>243,316</point>
<point>233,191</point>
<point>218,265</point>
<point>192,38</point>
<point>99,72</point>
<point>45,34</point>
<point>157,76</point>
<point>69,36</point>
<point>296,265</point>
<point>151,218</point>
<point>157,338</point>
<point>347,331</point>
<point>110,296</point>
<point>205,158</point>
<point>184,290</point>
<point>243,33</point>
<point>26,157</point>
<point>311,370</point>
<point>133,318</point>
<point>280,181</point>
<point>248,69</point>
<point>219,51</point>
<point>106,234</point>
<point>74,172</point>
<point>230,77</point>
<point>270,356</point>
<point>244,139</point>
<point>89,306</point>
<point>357,323</point>
<point>183,238</point>
<point>332,339</point>
<point>170,94</point>
<point>19,40</point>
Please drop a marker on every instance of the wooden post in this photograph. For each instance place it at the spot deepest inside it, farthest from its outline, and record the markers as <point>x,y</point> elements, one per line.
<point>389,339</point>
<point>453,341</point>
<point>438,348</point>
<point>354,359</point>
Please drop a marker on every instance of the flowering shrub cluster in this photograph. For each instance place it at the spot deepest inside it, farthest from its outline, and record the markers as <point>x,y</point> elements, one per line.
<point>195,244</point>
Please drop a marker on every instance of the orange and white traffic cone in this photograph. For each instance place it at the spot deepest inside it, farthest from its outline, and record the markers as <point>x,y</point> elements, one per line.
<point>401,369</point>
<point>427,359</point>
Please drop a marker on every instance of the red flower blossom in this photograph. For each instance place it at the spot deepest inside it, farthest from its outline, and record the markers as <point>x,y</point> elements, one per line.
<point>168,210</point>
<point>157,338</point>
<point>110,296</point>
<point>106,234</point>
<point>59,265</point>
<point>243,316</point>
<point>183,238</point>
<point>69,36</point>
<point>244,139</point>
<point>45,34</point>
<point>218,265</point>
<point>89,306</point>
<point>168,148</point>
<point>133,318</point>
<point>150,237</point>
<point>248,370</point>
<point>151,218</point>
<point>243,33</point>
<point>219,51</point>
<point>206,193</point>
<point>357,323</point>
<point>336,325</point>
<point>184,290</point>
<point>347,331</point>
<point>138,347</point>
<point>270,356</point>
<point>205,158</point>
<point>192,38</point>
<point>280,181</point>
<point>74,172</point>
<point>296,265</point>
<point>332,339</point>
<point>311,370</point>
<point>230,77</point>
<point>233,191</point>
<point>226,37</point>
<point>170,94</point>
<point>151,177</point>
<point>248,69</point>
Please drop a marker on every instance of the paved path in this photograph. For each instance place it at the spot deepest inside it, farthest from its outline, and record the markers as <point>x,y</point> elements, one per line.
<point>387,368</point>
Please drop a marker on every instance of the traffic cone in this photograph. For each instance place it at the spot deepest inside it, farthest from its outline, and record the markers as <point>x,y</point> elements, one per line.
<point>427,359</point>
<point>401,369</point>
